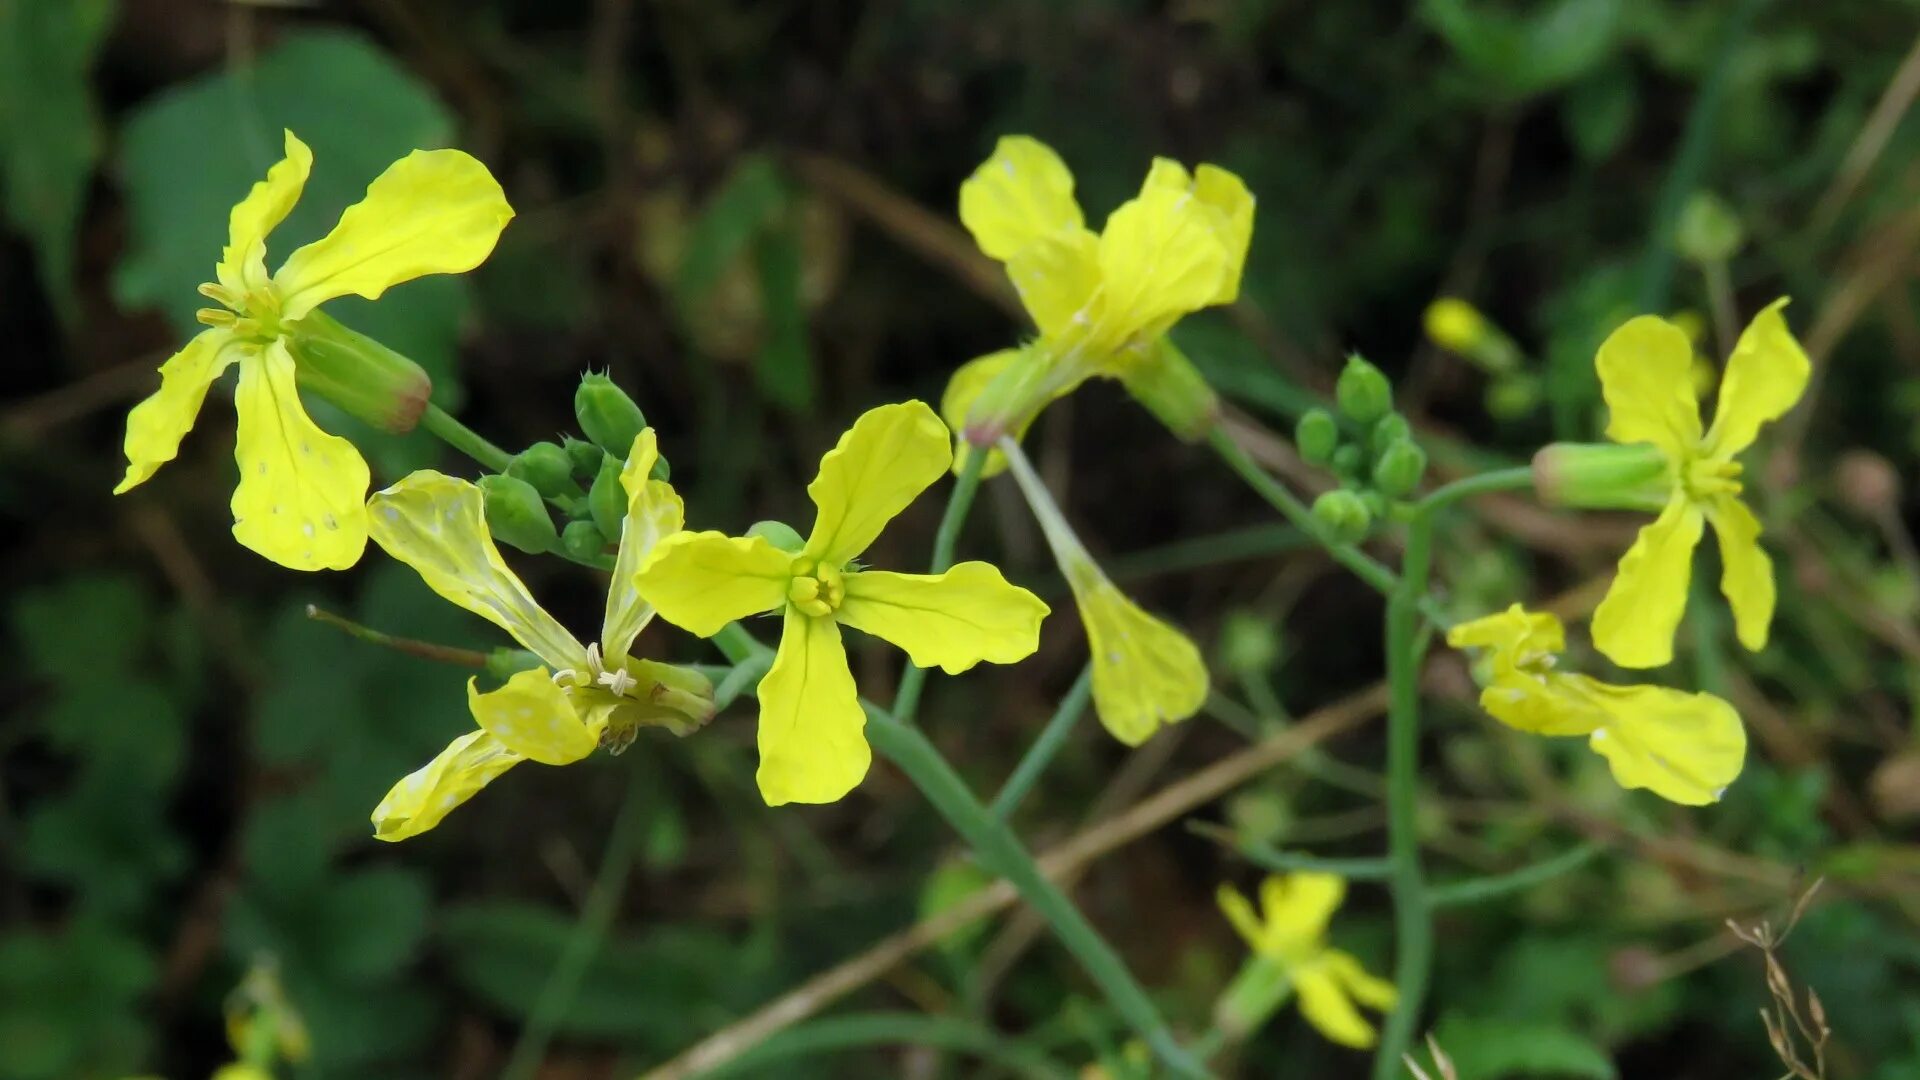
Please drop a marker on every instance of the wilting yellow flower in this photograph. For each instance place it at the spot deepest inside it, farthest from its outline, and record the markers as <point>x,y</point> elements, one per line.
<point>1291,931</point>
<point>812,744</point>
<point>1646,373</point>
<point>1683,747</point>
<point>1146,674</point>
<point>300,501</point>
<point>586,696</point>
<point>1100,301</point>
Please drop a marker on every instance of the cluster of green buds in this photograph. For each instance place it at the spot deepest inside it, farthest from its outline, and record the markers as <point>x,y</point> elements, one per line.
<point>578,477</point>
<point>1368,446</point>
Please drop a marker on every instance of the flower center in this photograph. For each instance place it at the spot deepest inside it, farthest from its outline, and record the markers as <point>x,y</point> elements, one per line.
<point>1706,478</point>
<point>253,315</point>
<point>816,589</point>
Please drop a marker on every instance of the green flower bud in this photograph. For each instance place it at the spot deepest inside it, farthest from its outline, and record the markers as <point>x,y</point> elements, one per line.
<point>1602,476</point>
<point>585,458</point>
<point>1708,231</point>
<point>1510,397</point>
<point>583,540</point>
<point>516,514</point>
<point>779,534</point>
<point>607,500</point>
<point>1343,514</point>
<point>1363,392</point>
<point>357,373</point>
<point>607,415</point>
<point>1399,468</point>
<point>1316,436</point>
<point>1249,644</point>
<point>1389,429</point>
<point>544,465</point>
<point>1173,390</point>
<point>1347,460</point>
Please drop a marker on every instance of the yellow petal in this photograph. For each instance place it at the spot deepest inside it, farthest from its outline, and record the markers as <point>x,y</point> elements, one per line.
<point>1683,747</point>
<point>1325,1004</point>
<point>1364,987</point>
<point>437,524</point>
<point>533,717</point>
<point>1514,633</point>
<point>700,582</point>
<point>1646,371</point>
<point>654,512</point>
<point>1145,673</point>
<point>1766,375</point>
<point>431,212</point>
<point>1227,194</point>
<point>1239,911</point>
<point>1058,279</point>
<point>1299,906</point>
<point>302,495</point>
<point>1021,193</point>
<point>883,462</point>
<point>1746,573</point>
<point>813,745</point>
<point>1160,258</point>
<point>1538,705</point>
<point>265,206</point>
<point>156,425</point>
<point>1634,624</point>
<point>425,796</point>
<point>952,620</point>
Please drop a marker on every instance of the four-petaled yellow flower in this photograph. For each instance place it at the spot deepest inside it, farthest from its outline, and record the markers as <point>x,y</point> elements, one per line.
<point>812,744</point>
<point>301,496</point>
<point>1100,301</point>
<point>1291,931</point>
<point>586,695</point>
<point>1646,373</point>
<point>1684,747</point>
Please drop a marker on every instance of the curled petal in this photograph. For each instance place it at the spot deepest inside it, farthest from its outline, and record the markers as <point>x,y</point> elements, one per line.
<point>1160,258</point>
<point>1020,194</point>
<point>1145,673</point>
<point>1683,747</point>
<point>1646,373</point>
<point>813,743</point>
<point>1766,375</point>
<point>265,207</point>
<point>431,212</point>
<point>1635,622</point>
<point>533,717</point>
<point>1227,194</point>
<point>1511,634</point>
<point>700,582</point>
<point>1746,573</point>
<point>952,620</point>
<point>1326,1005</point>
<point>437,524</point>
<point>425,796</point>
<point>156,425</point>
<point>654,512</point>
<point>302,495</point>
<point>883,462</point>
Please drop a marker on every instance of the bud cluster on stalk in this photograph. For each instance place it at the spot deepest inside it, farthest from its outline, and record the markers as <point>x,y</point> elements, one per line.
<point>1367,445</point>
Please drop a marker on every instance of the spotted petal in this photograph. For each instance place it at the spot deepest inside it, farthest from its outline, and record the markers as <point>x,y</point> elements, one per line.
<point>156,425</point>
<point>424,797</point>
<point>533,717</point>
<point>952,620</point>
<point>301,500</point>
<point>883,462</point>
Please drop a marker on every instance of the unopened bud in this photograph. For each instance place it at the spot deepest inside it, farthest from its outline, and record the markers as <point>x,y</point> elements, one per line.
<point>1343,514</point>
<point>1708,231</point>
<point>1249,644</point>
<point>607,499</point>
<point>1510,397</point>
<point>1389,429</point>
<point>1455,325</point>
<point>1399,468</point>
<point>1347,460</point>
<point>1173,390</point>
<point>544,465</point>
<point>779,534</point>
<point>1601,476</point>
<point>357,373</point>
<point>1316,436</point>
<point>1867,482</point>
<point>606,414</point>
<point>1363,392</point>
<point>516,514</point>
<point>583,541</point>
<point>583,457</point>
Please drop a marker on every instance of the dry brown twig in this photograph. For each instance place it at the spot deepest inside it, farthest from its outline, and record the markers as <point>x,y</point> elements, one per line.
<point>1810,1029</point>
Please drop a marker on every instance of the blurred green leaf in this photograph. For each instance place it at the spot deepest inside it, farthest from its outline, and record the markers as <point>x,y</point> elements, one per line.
<point>1495,1049</point>
<point>67,1003</point>
<point>784,369</point>
<point>373,922</point>
<point>107,838</point>
<point>49,128</point>
<point>1599,111</point>
<point>1518,56</point>
<point>77,627</point>
<point>751,197</point>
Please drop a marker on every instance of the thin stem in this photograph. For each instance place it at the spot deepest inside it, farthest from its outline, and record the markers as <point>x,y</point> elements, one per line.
<point>1002,852</point>
<point>442,424</point>
<point>426,650</point>
<point>1466,487</point>
<point>1412,911</point>
<point>741,679</point>
<point>880,1029</point>
<point>1363,565</point>
<point>1040,754</point>
<point>596,919</point>
<point>1477,890</point>
<point>906,702</point>
<point>1259,853</point>
<point>1720,299</point>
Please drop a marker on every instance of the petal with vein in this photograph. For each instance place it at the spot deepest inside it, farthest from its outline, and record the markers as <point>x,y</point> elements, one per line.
<point>883,462</point>
<point>1646,374</point>
<point>1766,375</point>
<point>156,425</point>
<point>1683,747</point>
<point>1058,279</point>
<point>424,797</point>
<point>951,621</point>
<point>301,500</point>
<point>813,743</point>
<point>1635,622</point>
<point>1145,672</point>
<point>1021,193</point>
<point>1160,258</point>
<point>1746,573</point>
<point>702,581</point>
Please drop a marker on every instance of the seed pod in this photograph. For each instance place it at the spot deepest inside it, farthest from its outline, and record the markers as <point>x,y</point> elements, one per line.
<point>516,515</point>
<point>583,540</point>
<point>607,415</point>
<point>1399,468</point>
<point>1363,392</point>
<point>544,465</point>
<point>1316,436</point>
<point>607,501</point>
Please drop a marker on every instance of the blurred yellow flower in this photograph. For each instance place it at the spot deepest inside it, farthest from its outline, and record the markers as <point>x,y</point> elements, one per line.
<point>1290,930</point>
<point>1455,325</point>
<point>586,695</point>
<point>1645,371</point>
<point>1683,747</point>
<point>300,500</point>
<point>812,743</point>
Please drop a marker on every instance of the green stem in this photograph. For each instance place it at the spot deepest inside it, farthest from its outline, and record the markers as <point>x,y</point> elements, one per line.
<point>914,679</point>
<point>1265,855</point>
<point>1051,739</point>
<point>1479,484</point>
<point>1000,851</point>
<point>426,650</point>
<point>738,644</point>
<point>451,431</point>
<point>596,919</point>
<point>879,1029</point>
<point>741,679</point>
<point>1476,890</point>
<point>1412,911</point>
<point>1363,565</point>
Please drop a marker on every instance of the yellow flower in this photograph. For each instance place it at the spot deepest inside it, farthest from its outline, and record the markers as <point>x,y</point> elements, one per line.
<point>1683,747</point>
<point>300,501</point>
<point>812,744</point>
<point>1291,931</point>
<point>1146,674</point>
<point>1646,373</point>
<point>1100,301</point>
<point>586,695</point>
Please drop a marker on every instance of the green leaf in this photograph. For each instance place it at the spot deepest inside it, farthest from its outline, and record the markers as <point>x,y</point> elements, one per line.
<point>372,924</point>
<point>108,839</point>
<point>1519,56</point>
<point>1494,1049</point>
<point>750,198</point>
<point>67,1003</point>
<point>1598,112</point>
<point>80,626</point>
<point>784,370</point>
<point>49,128</point>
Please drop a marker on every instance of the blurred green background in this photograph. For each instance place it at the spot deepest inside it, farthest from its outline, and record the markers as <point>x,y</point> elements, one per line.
<point>746,213</point>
